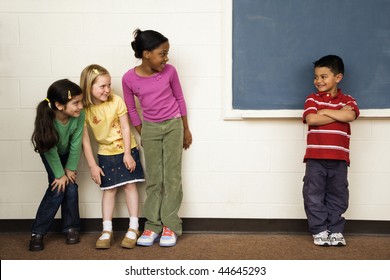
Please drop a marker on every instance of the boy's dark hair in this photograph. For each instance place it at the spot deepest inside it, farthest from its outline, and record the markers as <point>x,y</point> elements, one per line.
<point>147,40</point>
<point>333,62</point>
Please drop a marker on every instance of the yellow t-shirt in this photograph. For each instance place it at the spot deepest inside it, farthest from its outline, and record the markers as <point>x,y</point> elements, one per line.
<point>103,119</point>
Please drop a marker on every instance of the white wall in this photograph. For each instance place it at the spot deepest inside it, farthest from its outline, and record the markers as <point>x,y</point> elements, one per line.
<point>234,169</point>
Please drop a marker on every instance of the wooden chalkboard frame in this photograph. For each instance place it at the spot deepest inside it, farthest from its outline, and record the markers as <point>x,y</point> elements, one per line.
<point>239,114</point>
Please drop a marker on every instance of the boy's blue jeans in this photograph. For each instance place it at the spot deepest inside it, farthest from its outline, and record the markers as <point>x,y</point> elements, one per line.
<point>163,146</point>
<point>325,194</point>
<point>51,202</point>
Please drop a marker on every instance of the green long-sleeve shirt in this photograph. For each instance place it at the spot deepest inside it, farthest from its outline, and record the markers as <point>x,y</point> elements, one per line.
<point>70,139</point>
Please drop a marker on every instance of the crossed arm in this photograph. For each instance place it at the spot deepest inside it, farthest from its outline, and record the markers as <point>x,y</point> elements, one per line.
<point>326,116</point>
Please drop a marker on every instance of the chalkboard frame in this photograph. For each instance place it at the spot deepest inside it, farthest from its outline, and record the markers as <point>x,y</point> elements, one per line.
<point>239,114</point>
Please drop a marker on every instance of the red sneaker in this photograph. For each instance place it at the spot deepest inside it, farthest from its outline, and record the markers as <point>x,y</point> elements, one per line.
<point>168,238</point>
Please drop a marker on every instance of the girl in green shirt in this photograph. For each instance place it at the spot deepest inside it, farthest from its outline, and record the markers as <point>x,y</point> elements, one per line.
<point>57,137</point>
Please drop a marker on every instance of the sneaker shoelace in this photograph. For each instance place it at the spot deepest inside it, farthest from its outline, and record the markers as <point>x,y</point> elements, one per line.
<point>167,232</point>
<point>147,233</point>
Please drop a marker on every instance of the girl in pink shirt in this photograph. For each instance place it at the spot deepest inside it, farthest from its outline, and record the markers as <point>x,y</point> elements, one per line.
<point>164,132</point>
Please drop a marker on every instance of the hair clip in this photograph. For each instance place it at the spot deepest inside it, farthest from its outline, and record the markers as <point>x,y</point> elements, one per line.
<point>48,102</point>
<point>96,71</point>
<point>69,95</point>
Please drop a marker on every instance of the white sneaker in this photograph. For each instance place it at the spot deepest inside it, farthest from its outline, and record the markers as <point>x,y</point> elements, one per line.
<point>168,238</point>
<point>322,238</point>
<point>337,239</point>
<point>148,238</point>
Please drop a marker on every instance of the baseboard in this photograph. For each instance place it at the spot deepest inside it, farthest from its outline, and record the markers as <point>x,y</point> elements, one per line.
<point>215,225</point>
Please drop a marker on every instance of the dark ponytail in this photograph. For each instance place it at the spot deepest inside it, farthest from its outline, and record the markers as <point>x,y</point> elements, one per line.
<point>45,135</point>
<point>147,40</point>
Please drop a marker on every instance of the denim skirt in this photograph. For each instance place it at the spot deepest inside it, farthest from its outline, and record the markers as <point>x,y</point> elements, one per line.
<point>116,173</point>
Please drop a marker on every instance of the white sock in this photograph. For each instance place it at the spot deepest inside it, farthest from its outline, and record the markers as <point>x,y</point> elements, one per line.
<point>107,226</point>
<point>133,224</point>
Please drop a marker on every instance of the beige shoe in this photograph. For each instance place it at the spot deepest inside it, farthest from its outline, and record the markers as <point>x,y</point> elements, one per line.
<point>128,242</point>
<point>105,243</point>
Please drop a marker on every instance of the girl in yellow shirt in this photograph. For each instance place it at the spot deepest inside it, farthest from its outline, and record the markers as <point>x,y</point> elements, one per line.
<point>118,158</point>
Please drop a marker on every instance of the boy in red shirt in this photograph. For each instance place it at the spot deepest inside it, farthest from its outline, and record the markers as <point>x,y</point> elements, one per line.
<point>328,114</point>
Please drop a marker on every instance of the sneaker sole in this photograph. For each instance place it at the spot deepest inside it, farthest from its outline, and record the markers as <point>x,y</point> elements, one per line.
<point>338,244</point>
<point>167,244</point>
<point>323,245</point>
<point>148,244</point>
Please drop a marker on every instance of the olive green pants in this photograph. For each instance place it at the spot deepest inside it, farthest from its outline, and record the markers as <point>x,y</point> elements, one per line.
<point>163,148</point>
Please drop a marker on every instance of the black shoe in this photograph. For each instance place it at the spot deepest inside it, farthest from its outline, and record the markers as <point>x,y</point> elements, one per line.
<point>36,242</point>
<point>72,236</point>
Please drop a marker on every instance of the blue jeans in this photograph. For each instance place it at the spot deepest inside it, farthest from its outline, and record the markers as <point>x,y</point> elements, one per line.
<point>51,202</point>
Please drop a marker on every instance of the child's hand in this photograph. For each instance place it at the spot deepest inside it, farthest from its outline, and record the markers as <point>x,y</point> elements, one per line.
<point>187,141</point>
<point>96,172</point>
<point>129,162</point>
<point>71,175</point>
<point>60,184</point>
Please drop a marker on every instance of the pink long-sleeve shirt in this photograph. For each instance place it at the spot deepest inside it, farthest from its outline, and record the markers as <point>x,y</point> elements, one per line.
<point>160,96</point>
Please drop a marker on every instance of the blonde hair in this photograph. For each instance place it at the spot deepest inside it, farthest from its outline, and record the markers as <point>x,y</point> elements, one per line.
<point>87,79</point>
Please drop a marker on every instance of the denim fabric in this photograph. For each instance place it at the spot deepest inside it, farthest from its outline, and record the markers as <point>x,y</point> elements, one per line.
<point>163,148</point>
<point>326,194</point>
<point>116,173</point>
<point>51,202</point>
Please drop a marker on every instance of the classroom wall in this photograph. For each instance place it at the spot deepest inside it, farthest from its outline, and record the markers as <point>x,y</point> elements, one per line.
<point>234,169</point>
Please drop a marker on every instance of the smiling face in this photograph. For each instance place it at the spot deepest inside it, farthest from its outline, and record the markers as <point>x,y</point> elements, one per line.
<point>156,59</point>
<point>326,81</point>
<point>74,106</point>
<point>70,109</point>
<point>101,89</point>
